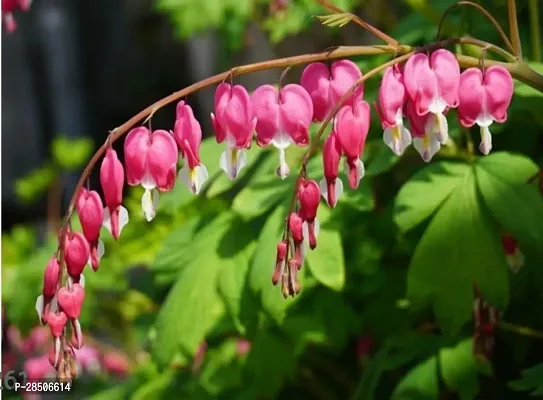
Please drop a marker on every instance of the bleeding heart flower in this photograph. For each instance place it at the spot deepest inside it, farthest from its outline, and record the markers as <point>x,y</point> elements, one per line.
<point>309,198</point>
<point>296,228</point>
<point>71,300</point>
<point>57,322</point>
<point>37,368</point>
<point>327,86</point>
<point>283,118</point>
<point>432,84</point>
<point>515,258</point>
<point>91,215</point>
<point>8,8</point>
<point>187,132</point>
<point>76,254</point>
<point>484,98</point>
<point>112,181</point>
<point>151,161</point>
<point>425,142</point>
<point>280,261</point>
<point>389,106</point>
<point>351,126</point>
<point>51,277</point>
<point>331,187</point>
<point>234,123</point>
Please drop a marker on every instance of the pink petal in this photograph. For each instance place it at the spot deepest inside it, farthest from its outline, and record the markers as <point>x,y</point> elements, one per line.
<point>499,91</point>
<point>188,134</point>
<point>162,159</point>
<point>331,154</point>
<point>222,97</point>
<point>471,95</point>
<point>351,126</point>
<point>136,146</point>
<point>112,179</point>
<point>420,82</point>
<point>447,71</point>
<point>265,103</point>
<point>344,74</point>
<point>315,80</point>
<point>296,113</point>
<point>417,122</point>
<point>391,97</point>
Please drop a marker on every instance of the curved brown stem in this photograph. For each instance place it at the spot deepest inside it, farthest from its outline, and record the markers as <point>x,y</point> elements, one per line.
<point>484,12</point>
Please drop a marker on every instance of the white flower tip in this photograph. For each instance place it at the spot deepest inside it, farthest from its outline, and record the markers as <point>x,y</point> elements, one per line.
<point>123,218</point>
<point>100,249</point>
<point>193,179</point>
<point>107,220</point>
<point>232,162</point>
<point>283,171</point>
<point>39,307</point>
<point>57,350</point>
<point>149,204</point>
<point>82,280</point>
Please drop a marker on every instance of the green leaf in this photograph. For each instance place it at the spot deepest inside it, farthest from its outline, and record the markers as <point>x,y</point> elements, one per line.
<point>269,364</point>
<point>193,304</point>
<point>460,248</point>
<point>221,369</point>
<point>517,205</point>
<point>236,250</point>
<point>426,191</point>
<point>154,388</point>
<point>523,90</point>
<point>71,154</point>
<point>326,262</point>
<point>263,264</point>
<point>457,368</point>
<point>30,187</point>
<point>381,158</point>
<point>532,379</point>
<point>261,194</point>
<point>361,198</point>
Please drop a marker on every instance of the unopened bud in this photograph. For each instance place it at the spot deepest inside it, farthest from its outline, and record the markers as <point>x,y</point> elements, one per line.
<point>294,284</point>
<point>279,261</point>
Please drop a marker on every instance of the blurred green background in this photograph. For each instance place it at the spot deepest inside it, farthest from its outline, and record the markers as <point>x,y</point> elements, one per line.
<point>184,308</point>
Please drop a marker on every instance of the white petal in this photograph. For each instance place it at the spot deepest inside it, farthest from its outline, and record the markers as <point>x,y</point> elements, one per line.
<point>70,281</point>
<point>225,162</point>
<point>100,249</point>
<point>427,146</point>
<point>149,202</point>
<point>305,232</point>
<point>283,171</point>
<point>54,305</point>
<point>317,227</point>
<point>57,350</point>
<point>360,170</point>
<point>282,140</point>
<point>107,220</point>
<point>305,228</point>
<point>148,182</point>
<point>442,128</point>
<point>486,140</point>
<point>123,218</point>
<point>78,333</point>
<point>39,306</point>
<point>193,178</point>
<point>339,189</point>
<point>323,186</point>
<point>241,160</point>
<point>82,280</point>
<point>397,138</point>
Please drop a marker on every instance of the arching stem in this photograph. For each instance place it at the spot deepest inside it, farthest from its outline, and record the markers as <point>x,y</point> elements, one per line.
<point>513,28</point>
<point>484,12</point>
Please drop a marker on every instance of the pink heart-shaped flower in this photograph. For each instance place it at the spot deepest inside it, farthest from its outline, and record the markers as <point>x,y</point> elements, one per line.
<point>71,300</point>
<point>57,322</point>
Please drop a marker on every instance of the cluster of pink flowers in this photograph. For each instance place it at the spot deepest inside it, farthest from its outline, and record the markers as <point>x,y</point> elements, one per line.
<point>9,7</point>
<point>35,353</point>
<point>423,90</point>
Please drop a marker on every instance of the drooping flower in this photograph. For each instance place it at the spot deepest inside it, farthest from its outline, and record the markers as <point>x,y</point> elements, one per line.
<point>57,322</point>
<point>283,118</point>
<point>76,254</point>
<point>331,186</point>
<point>484,98</point>
<point>486,319</point>
<point>112,181</point>
<point>425,142</point>
<point>296,228</point>
<point>187,132</point>
<point>234,123</point>
<point>8,8</point>
<point>280,261</point>
<point>309,199</point>
<point>432,85</point>
<point>51,278</point>
<point>91,215</point>
<point>515,258</point>
<point>390,104</point>
<point>327,86</point>
<point>351,126</point>
<point>151,161</point>
<point>37,368</point>
<point>116,363</point>
<point>70,300</point>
